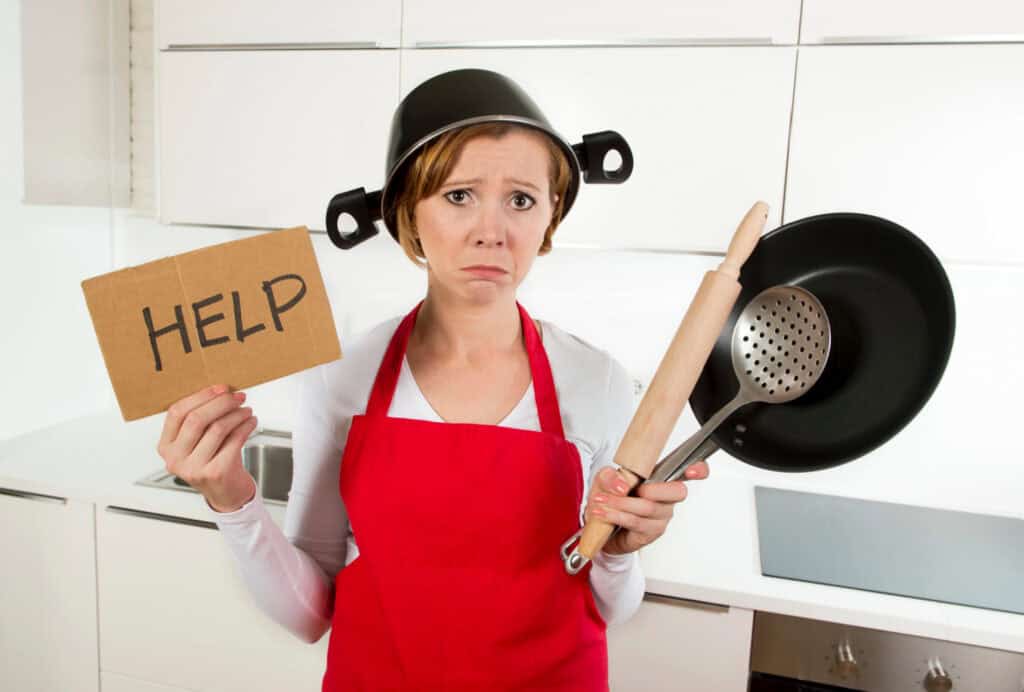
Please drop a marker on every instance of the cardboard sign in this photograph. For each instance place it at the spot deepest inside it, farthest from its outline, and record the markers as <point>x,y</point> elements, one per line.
<point>241,312</point>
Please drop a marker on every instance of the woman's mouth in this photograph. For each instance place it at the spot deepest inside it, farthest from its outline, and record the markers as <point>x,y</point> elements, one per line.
<point>485,270</point>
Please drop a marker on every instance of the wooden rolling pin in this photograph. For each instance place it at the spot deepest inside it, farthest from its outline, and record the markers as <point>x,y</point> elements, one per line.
<point>676,376</point>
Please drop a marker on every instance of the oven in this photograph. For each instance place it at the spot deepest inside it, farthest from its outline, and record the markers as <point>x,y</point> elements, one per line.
<point>791,654</point>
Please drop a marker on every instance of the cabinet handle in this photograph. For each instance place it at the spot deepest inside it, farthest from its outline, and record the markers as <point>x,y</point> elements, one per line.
<point>39,497</point>
<point>171,519</point>
<point>595,43</point>
<point>675,600</point>
<point>961,38</point>
<point>342,45</point>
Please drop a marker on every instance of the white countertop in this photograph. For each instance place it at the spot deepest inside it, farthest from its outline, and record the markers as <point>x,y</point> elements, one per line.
<point>709,553</point>
<point>97,459</point>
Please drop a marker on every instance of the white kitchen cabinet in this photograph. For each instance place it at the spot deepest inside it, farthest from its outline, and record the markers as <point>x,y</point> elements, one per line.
<point>232,23</point>
<point>672,645</point>
<point>708,128</point>
<point>48,600</point>
<point>264,139</point>
<point>930,137</point>
<point>175,612</point>
<point>874,21</point>
<point>72,105</point>
<point>431,23</point>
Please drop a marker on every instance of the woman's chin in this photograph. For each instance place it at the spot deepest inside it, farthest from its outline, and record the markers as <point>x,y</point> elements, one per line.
<point>485,290</point>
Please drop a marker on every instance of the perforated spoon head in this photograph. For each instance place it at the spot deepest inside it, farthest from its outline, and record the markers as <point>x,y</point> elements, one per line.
<point>780,344</point>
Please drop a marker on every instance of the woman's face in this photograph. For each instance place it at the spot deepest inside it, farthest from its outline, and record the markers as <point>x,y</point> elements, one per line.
<point>492,210</point>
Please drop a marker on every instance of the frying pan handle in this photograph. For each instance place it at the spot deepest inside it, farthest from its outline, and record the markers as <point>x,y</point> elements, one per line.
<point>364,208</point>
<point>675,464</point>
<point>591,153</point>
<point>697,446</point>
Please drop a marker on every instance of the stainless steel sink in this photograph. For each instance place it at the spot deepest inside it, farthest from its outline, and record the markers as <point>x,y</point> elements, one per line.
<point>267,455</point>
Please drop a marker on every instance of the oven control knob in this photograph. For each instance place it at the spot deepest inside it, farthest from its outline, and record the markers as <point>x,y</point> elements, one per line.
<point>937,679</point>
<point>846,662</point>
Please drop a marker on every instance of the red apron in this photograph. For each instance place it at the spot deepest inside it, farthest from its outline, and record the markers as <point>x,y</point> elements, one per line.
<point>459,584</point>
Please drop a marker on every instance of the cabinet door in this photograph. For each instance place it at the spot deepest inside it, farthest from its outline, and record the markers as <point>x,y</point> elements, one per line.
<point>264,139</point>
<point>928,136</point>
<point>228,22</point>
<point>429,22</point>
<point>48,600</point>
<point>708,128</point>
<point>873,21</point>
<point>175,612</point>
<point>672,645</point>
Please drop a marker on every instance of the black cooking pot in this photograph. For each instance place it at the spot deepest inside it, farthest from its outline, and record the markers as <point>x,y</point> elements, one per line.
<point>456,99</point>
<point>890,305</point>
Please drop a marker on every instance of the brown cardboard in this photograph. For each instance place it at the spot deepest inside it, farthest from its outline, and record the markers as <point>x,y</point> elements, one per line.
<point>262,275</point>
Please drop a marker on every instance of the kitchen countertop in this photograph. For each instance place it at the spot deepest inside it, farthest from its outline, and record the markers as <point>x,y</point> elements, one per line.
<point>709,552</point>
<point>97,459</point>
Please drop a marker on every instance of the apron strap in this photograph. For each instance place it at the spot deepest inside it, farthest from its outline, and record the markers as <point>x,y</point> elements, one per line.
<point>540,371</point>
<point>391,366</point>
<point>543,383</point>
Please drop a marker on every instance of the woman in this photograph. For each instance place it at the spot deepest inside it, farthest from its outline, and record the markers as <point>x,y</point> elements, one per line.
<point>462,437</point>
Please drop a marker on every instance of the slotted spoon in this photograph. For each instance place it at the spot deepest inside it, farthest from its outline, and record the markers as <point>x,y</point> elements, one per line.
<point>780,345</point>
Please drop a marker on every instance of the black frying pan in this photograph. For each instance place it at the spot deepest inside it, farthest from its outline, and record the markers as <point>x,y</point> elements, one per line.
<point>892,314</point>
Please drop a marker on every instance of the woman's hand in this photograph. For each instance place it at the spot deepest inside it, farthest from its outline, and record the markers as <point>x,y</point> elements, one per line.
<point>201,444</point>
<point>643,517</point>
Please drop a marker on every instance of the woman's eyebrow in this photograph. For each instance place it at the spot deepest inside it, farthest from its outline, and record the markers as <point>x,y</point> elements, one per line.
<point>480,180</point>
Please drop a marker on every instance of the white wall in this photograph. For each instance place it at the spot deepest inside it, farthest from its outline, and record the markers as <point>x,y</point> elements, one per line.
<point>52,366</point>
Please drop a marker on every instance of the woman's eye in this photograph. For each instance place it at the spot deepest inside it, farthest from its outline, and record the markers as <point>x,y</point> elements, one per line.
<point>455,192</point>
<point>526,197</point>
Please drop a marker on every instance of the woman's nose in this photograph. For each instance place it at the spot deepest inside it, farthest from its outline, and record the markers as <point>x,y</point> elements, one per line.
<point>490,227</point>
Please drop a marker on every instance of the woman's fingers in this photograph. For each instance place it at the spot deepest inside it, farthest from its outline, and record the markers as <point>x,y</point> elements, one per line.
<point>652,499</point>
<point>645,506</point>
<point>698,471</point>
<point>665,491</point>
<point>194,423</point>
<point>644,515</point>
<point>225,457</point>
<point>653,526</point>
<point>215,435</point>
<point>609,481</point>
<point>177,411</point>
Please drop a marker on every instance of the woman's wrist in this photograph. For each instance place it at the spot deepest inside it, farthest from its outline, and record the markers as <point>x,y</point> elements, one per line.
<point>613,562</point>
<point>231,508</point>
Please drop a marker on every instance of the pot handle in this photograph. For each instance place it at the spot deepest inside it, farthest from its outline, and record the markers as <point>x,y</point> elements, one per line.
<point>591,153</point>
<point>363,207</point>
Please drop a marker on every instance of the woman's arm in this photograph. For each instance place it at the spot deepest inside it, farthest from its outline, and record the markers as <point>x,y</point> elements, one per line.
<point>617,580</point>
<point>290,572</point>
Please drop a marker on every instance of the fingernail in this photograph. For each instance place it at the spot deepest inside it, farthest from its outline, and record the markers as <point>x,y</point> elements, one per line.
<point>622,487</point>
<point>690,473</point>
<point>600,498</point>
<point>220,388</point>
<point>600,512</point>
<point>239,396</point>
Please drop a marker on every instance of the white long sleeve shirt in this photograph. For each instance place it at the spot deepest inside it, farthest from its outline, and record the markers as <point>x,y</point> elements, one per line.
<point>291,572</point>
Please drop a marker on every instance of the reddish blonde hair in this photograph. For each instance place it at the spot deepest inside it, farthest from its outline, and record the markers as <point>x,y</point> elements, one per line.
<point>434,163</point>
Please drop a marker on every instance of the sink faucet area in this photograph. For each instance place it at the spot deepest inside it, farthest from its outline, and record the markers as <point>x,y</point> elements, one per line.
<point>267,455</point>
